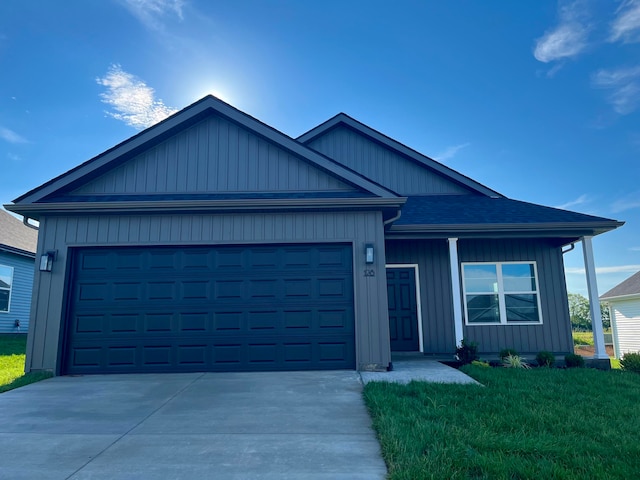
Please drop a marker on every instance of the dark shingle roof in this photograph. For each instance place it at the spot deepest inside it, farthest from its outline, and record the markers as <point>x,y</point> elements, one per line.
<point>15,235</point>
<point>631,286</point>
<point>478,210</point>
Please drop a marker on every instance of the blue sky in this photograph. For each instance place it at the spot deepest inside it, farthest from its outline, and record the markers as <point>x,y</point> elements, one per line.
<point>537,100</point>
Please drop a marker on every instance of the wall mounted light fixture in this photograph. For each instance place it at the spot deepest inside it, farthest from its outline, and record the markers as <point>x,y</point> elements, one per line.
<point>46,260</point>
<point>368,253</point>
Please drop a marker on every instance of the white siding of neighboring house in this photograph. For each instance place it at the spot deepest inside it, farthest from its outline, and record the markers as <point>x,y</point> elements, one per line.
<point>625,317</point>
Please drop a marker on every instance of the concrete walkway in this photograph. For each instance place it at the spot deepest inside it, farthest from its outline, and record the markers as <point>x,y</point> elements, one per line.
<point>294,425</point>
<point>408,368</point>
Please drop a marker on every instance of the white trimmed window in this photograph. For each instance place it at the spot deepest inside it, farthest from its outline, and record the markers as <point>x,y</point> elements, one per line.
<point>6,279</point>
<point>504,293</point>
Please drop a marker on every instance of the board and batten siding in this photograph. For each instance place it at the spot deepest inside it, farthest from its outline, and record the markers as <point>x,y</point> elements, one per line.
<point>554,334</point>
<point>20,301</point>
<point>432,258</point>
<point>356,228</point>
<point>214,155</point>
<point>382,165</point>
<point>625,321</point>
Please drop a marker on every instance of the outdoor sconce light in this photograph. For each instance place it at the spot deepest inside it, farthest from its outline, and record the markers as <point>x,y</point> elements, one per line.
<point>46,260</point>
<point>368,253</point>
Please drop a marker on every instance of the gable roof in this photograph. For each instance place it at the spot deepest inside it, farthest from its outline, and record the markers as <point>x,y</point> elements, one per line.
<point>480,213</point>
<point>629,287</point>
<point>15,237</point>
<point>183,119</point>
<point>407,152</point>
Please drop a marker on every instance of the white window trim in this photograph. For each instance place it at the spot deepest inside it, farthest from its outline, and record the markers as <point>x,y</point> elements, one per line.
<point>501,295</point>
<point>8,310</point>
<point>418,304</point>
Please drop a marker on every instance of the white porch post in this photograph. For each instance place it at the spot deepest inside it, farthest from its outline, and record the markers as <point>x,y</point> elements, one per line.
<point>594,300</point>
<point>455,289</point>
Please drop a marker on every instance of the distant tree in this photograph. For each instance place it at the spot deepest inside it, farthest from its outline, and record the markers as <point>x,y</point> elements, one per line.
<point>579,311</point>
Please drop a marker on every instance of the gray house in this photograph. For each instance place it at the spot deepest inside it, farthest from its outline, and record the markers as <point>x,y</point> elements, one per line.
<point>17,256</point>
<point>624,311</point>
<point>213,242</point>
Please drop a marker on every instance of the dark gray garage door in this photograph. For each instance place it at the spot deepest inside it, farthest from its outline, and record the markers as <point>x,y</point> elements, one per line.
<point>177,309</point>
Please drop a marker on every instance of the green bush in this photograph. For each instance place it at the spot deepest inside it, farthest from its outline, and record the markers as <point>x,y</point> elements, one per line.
<point>573,361</point>
<point>545,359</point>
<point>514,361</point>
<point>631,362</point>
<point>467,352</point>
<point>505,352</point>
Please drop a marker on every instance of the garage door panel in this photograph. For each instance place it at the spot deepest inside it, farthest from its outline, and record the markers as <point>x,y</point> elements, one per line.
<point>211,309</point>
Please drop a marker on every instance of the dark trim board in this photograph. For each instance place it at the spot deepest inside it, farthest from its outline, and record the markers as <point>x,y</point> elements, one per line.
<point>205,308</point>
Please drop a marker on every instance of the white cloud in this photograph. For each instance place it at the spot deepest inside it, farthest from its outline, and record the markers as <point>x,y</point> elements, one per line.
<point>604,270</point>
<point>635,249</point>
<point>11,136</point>
<point>623,85</point>
<point>626,203</point>
<point>568,38</point>
<point>578,201</point>
<point>151,12</point>
<point>450,152</point>
<point>626,25</point>
<point>133,101</point>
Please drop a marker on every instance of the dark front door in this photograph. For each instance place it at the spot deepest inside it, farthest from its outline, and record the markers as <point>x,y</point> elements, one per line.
<point>403,310</point>
<point>223,308</point>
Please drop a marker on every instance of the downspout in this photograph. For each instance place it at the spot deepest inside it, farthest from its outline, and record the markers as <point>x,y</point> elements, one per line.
<point>25,220</point>
<point>393,219</point>
<point>571,247</point>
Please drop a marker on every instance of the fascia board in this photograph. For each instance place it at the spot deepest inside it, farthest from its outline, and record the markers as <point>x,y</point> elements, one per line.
<point>627,297</point>
<point>17,251</point>
<point>570,228</point>
<point>395,145</point>
<point>35,209</point>
<point>195,111</point>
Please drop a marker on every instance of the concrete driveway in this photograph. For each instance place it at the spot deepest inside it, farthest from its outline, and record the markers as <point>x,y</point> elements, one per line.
<point>293,425</point>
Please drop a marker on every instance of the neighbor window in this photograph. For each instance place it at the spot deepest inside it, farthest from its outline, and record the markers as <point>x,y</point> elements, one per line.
<point>6,279</point>
<point>501,293</point>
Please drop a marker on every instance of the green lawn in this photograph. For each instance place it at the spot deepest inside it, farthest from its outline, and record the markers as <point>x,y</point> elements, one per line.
<point>539,423</point>
<point>12,353</point>
<point>582,338</point>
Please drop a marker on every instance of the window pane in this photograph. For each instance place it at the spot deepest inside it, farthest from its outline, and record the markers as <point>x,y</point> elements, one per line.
<point>519,277</point>
<point>4,300</point>
<point>5,276</point>
<point>522,308</point>
<point>483,309</point>
<point>480,278</point>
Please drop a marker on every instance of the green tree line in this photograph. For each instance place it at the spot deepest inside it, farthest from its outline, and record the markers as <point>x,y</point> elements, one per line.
<point>580,316</point>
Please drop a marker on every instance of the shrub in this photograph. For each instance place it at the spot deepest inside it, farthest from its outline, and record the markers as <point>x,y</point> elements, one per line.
<point>514,361</point>
<point>505,352</point>
<point>573,361</point>
<point>631,362</point>
<point>467,352</point>
<point>545,359</point>
<point>480,363</point>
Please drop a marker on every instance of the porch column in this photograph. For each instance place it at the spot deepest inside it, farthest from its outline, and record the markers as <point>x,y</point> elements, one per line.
<point>594,300</point>
<point>455,289</point>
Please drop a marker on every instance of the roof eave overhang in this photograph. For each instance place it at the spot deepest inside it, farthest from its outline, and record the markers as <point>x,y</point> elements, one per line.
<point>629,296</point>
<point>35,210</point>
<point>557,230</point>
<point>17,251</point>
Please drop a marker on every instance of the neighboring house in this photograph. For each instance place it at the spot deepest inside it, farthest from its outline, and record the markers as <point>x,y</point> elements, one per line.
<point>17,255</point>
<point>624,309</point>
<point>212,241</point>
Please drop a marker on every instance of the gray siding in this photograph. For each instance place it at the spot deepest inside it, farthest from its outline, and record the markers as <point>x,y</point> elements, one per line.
<point>20,302</point>
<point>61,233</point>
<point>432,258</point>
<point>214,155</point>
<point>383,165</point>
<point>554,334</point>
